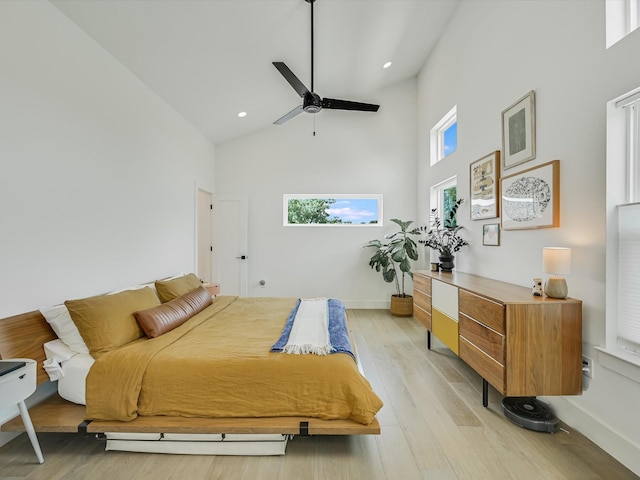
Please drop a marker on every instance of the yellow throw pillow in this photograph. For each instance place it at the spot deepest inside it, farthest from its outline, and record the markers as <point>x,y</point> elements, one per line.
<point>176,287</point>
<point>106,322</point>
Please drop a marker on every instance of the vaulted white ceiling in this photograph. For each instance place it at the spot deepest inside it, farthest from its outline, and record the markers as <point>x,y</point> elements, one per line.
<point>210,59</point>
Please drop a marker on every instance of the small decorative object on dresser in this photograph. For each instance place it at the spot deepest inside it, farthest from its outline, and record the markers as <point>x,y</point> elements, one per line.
<point>442,235</point>
<point>536,291</point>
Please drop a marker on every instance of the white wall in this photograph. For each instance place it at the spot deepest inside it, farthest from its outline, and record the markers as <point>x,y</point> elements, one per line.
<point>492,54</point>
<point>352,152</point>
<point>98,175</point>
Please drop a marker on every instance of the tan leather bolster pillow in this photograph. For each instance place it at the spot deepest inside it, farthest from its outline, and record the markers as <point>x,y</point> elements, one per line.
<point>163,318</point>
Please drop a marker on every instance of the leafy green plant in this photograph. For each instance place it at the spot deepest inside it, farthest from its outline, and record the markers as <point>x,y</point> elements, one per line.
<point>442,235</point>
<point>393,257</point>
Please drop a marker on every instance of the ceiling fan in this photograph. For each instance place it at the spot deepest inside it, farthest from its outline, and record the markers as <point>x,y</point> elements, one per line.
<point>311,101</point>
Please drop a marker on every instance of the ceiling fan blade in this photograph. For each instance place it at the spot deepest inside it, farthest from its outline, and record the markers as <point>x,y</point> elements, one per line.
<point>289,76</point>
<point>289,115</point>
<point>335,104</point>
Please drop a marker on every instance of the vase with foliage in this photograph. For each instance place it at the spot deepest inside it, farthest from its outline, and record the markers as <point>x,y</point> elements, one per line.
<point>392,257</point>
<point>442,235</point>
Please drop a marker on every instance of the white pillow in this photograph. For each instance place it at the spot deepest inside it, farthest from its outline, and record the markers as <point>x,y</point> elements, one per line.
<point>58,351</point>
<point>60,320</point>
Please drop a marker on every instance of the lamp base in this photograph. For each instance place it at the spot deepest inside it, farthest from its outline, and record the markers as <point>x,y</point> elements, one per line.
<point>556,287</point>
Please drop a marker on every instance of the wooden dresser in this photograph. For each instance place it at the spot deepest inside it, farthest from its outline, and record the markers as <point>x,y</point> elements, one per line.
<point>523,345</point>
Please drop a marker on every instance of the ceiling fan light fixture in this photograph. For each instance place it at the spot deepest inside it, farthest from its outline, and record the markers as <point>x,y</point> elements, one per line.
<point>387,65</point>
<point>311,101</point>
<point>242,114</point>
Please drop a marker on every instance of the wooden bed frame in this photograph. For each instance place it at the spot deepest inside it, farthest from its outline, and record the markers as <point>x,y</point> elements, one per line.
<point>22,336</point>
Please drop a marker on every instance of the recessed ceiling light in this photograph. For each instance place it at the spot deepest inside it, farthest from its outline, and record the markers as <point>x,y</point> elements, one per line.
<point>386,65</point>
<point>242,114</point>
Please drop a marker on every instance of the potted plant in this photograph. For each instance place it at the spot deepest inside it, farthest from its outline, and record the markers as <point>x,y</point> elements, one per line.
<point>443,236</point>
<point>393,258</point>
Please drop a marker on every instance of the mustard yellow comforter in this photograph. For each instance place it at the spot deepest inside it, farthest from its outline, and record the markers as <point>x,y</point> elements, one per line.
<point>218,364</point>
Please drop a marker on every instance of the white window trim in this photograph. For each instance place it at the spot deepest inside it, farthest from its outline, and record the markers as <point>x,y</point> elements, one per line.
<point>619,170</point>
<point>622,18</point>
<point>633,15</point>
<point>437,135</point>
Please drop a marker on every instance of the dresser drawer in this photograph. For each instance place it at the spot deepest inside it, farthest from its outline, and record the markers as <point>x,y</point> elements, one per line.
<point>422,315</point>
<point>492,371</point>
<point>487,340</point>
<point>444,297</point>
<point>483,310</point>
<point>421,283</point>
<point>422,300</point>
<point>446,329</point>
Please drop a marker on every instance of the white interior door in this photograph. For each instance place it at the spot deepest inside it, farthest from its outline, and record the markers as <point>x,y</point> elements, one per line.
<point>204,253</point>
<point>230,244</point>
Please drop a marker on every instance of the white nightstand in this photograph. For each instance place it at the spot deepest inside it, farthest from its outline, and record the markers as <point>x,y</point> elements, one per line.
<point>15,387</point>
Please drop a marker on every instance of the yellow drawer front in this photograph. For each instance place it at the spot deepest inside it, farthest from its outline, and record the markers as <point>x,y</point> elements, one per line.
<point>445,328</point>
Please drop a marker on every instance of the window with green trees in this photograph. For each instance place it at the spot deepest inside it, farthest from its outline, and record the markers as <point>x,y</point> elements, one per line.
<point>332,209</point>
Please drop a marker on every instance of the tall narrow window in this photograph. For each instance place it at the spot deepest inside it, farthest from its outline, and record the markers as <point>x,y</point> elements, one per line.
<point>443,197</point>
<point>629,231</point>
<point>444,136</point>
<point>623,230</point>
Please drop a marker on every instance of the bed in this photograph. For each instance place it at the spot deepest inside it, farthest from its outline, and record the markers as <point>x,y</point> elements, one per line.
<point>192,379</point>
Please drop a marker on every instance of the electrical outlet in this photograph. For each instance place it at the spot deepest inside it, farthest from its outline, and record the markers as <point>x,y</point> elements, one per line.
<point>587,366</point>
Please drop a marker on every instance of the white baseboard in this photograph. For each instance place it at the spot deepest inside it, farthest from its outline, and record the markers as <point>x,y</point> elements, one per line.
<point>616,445</point>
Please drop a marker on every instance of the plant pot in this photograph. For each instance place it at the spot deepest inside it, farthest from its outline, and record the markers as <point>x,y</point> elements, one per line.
<point>446,263</point>
<point>401,306</point>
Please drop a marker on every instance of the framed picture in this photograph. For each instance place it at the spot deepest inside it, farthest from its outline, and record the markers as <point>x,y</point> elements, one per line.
<point>519,131</point>
<point>531,198</point>
<point>491,234</point>
<point>484,175</point>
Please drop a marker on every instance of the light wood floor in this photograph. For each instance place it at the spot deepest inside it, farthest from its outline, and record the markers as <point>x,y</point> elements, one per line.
<point>433,427</point>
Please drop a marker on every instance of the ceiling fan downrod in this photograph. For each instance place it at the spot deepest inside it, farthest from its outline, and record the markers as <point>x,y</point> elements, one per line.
<point>312,37</point>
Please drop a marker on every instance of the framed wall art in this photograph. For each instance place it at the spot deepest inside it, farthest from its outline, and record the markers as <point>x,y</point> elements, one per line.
<point>491,234</point>
<point>519,131</point>
<point>531,198</point>
<point>484,175</point>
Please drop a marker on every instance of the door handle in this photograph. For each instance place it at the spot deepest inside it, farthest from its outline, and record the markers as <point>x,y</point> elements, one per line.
<point>242,257</point>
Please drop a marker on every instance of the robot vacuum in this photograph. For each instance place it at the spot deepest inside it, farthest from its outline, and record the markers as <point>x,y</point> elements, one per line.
<point>530,413</point>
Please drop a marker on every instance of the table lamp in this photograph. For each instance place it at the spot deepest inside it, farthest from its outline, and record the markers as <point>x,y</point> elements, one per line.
<point>556,261</point>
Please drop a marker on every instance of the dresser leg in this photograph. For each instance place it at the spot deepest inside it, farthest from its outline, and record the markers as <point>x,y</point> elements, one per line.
<point>26,419</point>
<point>485,393</point>
<point>428,339</point>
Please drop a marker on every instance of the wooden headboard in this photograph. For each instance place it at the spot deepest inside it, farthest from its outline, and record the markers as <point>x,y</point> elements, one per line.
<point>22,336</point>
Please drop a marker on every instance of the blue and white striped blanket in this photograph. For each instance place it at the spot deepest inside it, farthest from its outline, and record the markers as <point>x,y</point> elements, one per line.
<point>336,326</point>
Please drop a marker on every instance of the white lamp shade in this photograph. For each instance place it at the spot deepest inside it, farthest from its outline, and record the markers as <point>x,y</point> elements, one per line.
<point>556,260</point>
